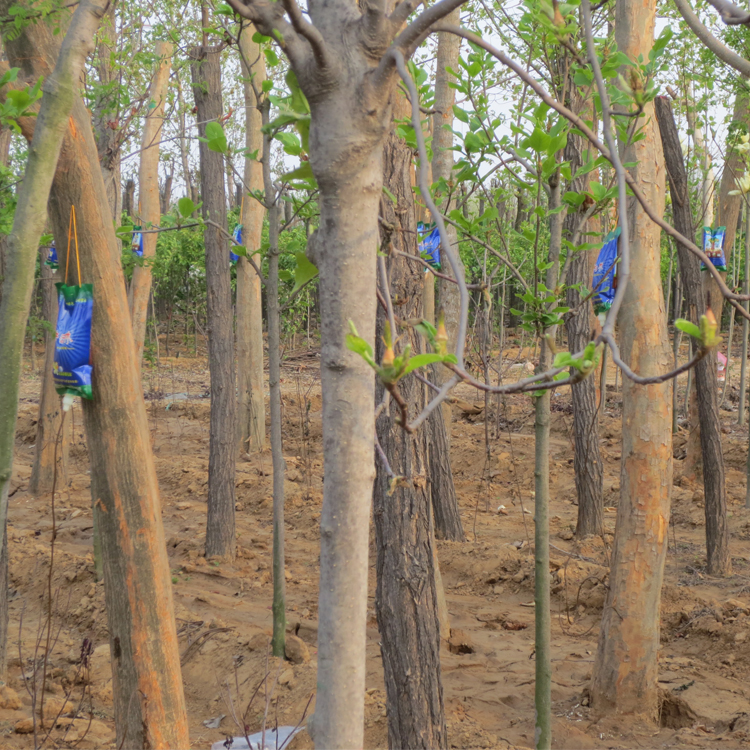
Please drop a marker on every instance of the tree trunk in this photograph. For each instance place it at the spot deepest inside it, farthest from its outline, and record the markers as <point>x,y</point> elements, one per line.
<point>165,195</point>
<point>60,90</point>
<point>717,529</point>
<point>50,412</point>
<point>128,198</point>
<point>251,410</point>
<point>148,190</point>
<point>105,115</point>
<point>274,382</point>
<point>626,665</point>
<point>220,525</point>
<point>346,158</point>
<point>5,133</point>
<point>406,598</point>
<point>138,590</point>
<point>445,505</point>
<point>587,459</point>
<point>137,581</point>
<point>448,49</point>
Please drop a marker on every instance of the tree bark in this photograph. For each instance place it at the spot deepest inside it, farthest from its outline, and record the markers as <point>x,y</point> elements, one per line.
<point>406,597</point>
<point>143,640</point>
<point>717,528</point>
<point>448,49</point>
<point>587,459</point>
<point>626,665</point>
<point>445,504</point>
<point>274,382</point>
<point>60,90</point>
<point>251,410</point>
<point>50,411</point>
<point>150,200</point>
<point>106,119</point>
<point>220,525</point>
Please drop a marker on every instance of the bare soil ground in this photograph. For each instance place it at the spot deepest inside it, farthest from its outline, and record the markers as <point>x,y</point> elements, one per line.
<point>224,610</point>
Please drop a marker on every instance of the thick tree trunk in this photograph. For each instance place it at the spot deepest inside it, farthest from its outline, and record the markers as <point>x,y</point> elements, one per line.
<point>626,666</point>
<point>406,598</point>
<point>717,528</point>
<point>128,198</point>
<point>50,412</point>
<point>251,411</point>
<point>148,697</point>
<point>346,158</point>
<point>4,155</point>
<point>60,93</point>
<point>148,191</point>
<point>220,525</point>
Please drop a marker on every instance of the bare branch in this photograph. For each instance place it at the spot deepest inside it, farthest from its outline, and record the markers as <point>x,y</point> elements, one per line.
<point>422,25</point>
<point>730,57</point>
<point>268,17</point>
<point>730,13</point>
<point>308,31</point>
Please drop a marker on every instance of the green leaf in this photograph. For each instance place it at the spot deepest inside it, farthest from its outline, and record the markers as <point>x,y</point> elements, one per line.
<point>271,57</point>
<point>690,328</point>
<point>359,346</point>
<point>564,359</point>
<point>297,101</point>
<point>186,207</point>
<point>460,114</point>
<point>215,137</point>
<point>422,360</point>
<point>285,275</point>
<point>266,86</point>
<point>598,191</point>
<point>304,272</point>
<point>303,173</point>
<point>290,142</point>
<point>538,141</point>
<point>259,38</point>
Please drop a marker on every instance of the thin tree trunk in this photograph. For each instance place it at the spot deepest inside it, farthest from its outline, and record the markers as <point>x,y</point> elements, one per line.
<point>626,665</point>
<point>50,413</point>
<point>407,595</point>
<point>717,530</point>
<point>148,190</point>
<point>220,525</point>
<point>542,617</point>
<point>444,502</point>
<point>165,195</point>
<point>745,325</point>
<point>251,411</point>
<point>105,118</point>
<point>274,381</point>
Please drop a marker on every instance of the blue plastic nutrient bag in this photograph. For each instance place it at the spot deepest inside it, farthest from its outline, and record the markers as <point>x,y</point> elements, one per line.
<point>429,244</point>
<point>71,370</point>
<point>137,244</point>
<point>237,236</point>
<point>604,274</point>
<point>52,261</point>
<point>713,247</point>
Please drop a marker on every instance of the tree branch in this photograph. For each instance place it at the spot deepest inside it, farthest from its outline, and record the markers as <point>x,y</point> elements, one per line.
<point>730,57</point>
<point>730,13</point>
<point>305,29</point>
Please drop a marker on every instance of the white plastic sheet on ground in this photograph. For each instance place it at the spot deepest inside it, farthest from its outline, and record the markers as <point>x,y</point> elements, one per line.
<point>273,741</point>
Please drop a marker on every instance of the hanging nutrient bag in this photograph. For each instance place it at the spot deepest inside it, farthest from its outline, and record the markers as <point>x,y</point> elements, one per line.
<point>51,260</point>
<point>72,369</point>
<point>237,237</point>
<point>605,282</point>
<point>713,247</point>
<point>137,243</point>
<point>429,244</point>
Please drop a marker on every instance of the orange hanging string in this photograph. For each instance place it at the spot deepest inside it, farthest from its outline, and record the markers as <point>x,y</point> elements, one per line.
<point>73,233</point>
